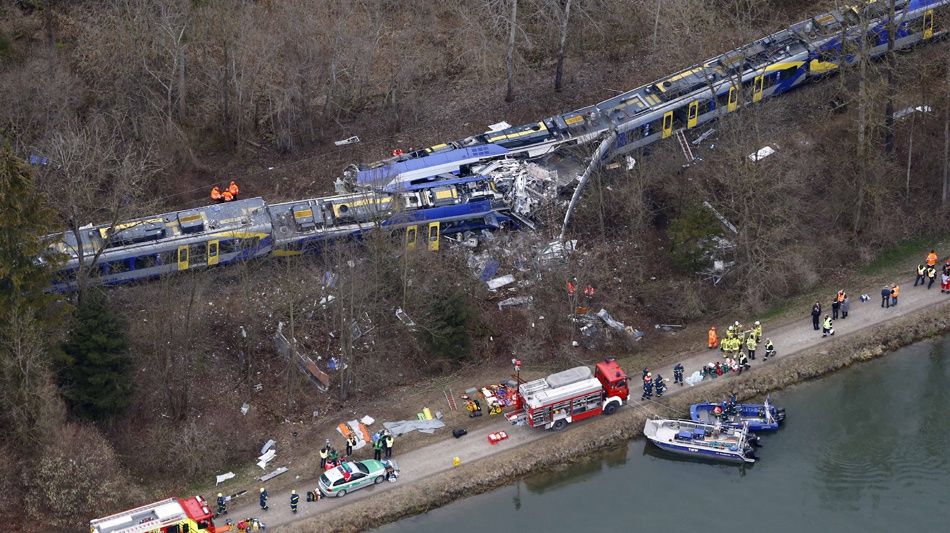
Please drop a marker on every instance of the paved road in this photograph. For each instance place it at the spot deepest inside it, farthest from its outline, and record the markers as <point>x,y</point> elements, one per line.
<point>436,458</point>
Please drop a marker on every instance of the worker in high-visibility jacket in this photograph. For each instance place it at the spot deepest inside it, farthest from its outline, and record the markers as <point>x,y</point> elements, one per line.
<point>826,327</point>
<point>294,500</point>
<point>233,188</point>
<point>757,331</point>
<point>388,445</point>
<point>932,258</point>
<point>921,274</point>
<point>324,453</point>
<point>751,344</point>
<point>216,194</point>
<point>713,338</point>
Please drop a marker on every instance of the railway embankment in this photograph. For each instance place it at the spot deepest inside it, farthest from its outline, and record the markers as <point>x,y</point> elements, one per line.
<point>585,441</point>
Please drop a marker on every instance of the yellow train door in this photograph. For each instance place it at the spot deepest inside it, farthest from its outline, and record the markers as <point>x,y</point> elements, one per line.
<point>433,240</point>
<point>212,253</point>
<point>667,124</point>
<point>692,117</point>
<point>182,258</point>
<point>757,84</point>
<point>412,232</point>
<point>928,25</point>
<point>733,103</point>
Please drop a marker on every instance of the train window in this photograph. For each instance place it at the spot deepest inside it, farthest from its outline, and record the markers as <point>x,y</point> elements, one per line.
<point>198,253</point>
<point>168,258</point>
<point>144,261</point>
<point>65,275</point>
<point>118,267</point>
<point>229,246</point>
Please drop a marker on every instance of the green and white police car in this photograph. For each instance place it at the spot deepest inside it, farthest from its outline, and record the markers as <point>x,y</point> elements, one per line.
<point>351,476</point>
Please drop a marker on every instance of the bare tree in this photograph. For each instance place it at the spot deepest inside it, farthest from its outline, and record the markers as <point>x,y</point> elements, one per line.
<point>96,176</point>
<point>510,54</point>
<point>565,19</point>
<point>946,140</point>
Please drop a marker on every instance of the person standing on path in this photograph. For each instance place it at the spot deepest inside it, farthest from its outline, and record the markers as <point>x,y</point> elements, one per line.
<point>647,387</point>
<point>678,374</point>
<point>713,339</point>
<point>389,445</point>
<point>263,499</point>
<point>886,296</point>
<point>324,453</point>
<point>816,313</point>
<point>845,307</point>
<point>835,305</point>
<point>895,293</point>
<point>931,276</point>
<point>350,443</point>
<point>827,328</point>
<point>921,272</point>
<point>751,345</point>
<point>294,500</point>
<point>378,448</point>
<point>932,258</point>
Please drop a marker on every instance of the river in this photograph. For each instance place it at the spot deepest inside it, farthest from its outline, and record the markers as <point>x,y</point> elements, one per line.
<point>864,449</point>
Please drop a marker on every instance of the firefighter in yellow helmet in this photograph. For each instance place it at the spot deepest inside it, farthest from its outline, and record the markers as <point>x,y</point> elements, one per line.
<point>294,500</point>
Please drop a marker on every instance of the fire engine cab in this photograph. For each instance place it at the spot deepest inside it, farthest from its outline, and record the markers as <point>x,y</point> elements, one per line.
<point>571,395</point>
<point>174,515</point>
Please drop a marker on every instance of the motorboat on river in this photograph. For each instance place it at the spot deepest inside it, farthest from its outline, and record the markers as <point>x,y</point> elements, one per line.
<point>705,441</point>
<point>759,416</point>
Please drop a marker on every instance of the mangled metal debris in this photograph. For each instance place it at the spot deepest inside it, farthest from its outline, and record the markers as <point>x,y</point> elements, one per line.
<point>275,473</point>
<point>404,318</point>
<point>556,251</point>
<point>499,282</point>
<point>349,140</point>
<point>619,326</point>
<point>668,327</point>
<point>762,153</point>
<point>911,110</point>
<point>515,302</point>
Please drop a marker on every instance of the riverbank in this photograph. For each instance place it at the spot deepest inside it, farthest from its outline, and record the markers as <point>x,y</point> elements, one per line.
<point>583,440</point>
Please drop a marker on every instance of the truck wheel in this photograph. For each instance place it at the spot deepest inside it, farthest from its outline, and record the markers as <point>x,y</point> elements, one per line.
<point>611,408</point>
<point>378,480</point>
<point>341,494</point>
<point>559,425</point>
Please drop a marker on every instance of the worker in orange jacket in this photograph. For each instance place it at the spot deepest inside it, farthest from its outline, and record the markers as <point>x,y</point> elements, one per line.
<point>233,189</point>
<point>932,258</point>
<point>227,196</point>
<point>713,338</point>
<point>216,194</point>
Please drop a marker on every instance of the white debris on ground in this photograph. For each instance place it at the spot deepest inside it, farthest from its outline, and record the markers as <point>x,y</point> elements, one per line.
<point>349,140</point>
<point>221,478</point>
<point>275,473</point>
<point>911,110</point>
<point>368,420</point>
<point>515,302</point>
<point>762,153</point>
<point>501,281</point>
<point>266,458</point>
<point>498,126</point>
<point>268,445</point>
<point>404,318</point>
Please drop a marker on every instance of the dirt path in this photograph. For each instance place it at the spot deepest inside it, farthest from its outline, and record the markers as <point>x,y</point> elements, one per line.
<point>437,458</point>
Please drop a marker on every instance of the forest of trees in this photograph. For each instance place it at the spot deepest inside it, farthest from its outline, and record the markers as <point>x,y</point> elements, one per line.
<point>132,107</point>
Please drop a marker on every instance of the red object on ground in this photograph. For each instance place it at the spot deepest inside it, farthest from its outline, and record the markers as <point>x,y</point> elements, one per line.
<point>495,438</point>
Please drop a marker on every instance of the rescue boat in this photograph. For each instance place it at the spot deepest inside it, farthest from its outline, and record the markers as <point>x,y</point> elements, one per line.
<point>759,416</point>
<point>702,441</point>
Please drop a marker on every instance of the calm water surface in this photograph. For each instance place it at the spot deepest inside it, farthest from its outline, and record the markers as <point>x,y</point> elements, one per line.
<point>865,449</point>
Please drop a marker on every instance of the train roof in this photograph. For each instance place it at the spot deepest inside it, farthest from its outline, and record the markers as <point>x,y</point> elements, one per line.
<point>167,226</point>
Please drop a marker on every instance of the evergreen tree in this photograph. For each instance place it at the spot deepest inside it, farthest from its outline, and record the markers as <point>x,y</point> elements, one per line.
<point>447,335</point>
<point>27,262</point>
<point>30,408</point>
<point>95,364</point>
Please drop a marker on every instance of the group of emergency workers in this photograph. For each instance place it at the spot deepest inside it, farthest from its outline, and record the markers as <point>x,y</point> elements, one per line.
<point>738,347</point>
<point>228,194</point>
<point>927,273</point>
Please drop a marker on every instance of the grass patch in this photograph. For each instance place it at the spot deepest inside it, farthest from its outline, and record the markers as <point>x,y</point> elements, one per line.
<point>897,254</point>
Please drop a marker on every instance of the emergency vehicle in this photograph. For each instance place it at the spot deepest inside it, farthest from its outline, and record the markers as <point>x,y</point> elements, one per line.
<point>571,395</point>
<point>174,515</point>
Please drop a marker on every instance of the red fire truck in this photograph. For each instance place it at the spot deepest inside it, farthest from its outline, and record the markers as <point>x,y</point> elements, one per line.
<point>174,515</point>
<point>571,395</point>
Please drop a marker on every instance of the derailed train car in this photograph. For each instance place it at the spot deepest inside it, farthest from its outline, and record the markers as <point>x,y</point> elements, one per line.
<point>451,187</point>
<point>768,67</point>
<point>225,233</point>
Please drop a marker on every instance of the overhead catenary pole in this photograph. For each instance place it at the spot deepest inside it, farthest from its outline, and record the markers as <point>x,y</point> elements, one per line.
<point>597,159</point>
